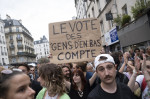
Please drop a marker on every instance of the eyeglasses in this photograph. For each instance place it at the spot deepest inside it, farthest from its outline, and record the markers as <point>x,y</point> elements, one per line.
<point>31,70</point>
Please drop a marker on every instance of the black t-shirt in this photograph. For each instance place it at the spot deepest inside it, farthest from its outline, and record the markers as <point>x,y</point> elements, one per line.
<point>123,92</point>
<point>74,93</point>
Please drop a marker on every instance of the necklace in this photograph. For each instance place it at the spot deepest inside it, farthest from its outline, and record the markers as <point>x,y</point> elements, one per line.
<point>80,93</point>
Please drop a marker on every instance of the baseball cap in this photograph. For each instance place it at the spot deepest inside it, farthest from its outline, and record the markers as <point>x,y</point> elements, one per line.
<point>103,58</point>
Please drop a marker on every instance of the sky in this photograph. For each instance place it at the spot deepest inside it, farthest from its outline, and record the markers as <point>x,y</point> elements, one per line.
<point>37,14</point>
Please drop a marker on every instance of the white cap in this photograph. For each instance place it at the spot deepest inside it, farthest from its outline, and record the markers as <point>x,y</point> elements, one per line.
<point>98,59</point>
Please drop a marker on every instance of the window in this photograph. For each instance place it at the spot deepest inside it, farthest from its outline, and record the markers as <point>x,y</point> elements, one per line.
<point>102,26</point>
<point>17,29</point>
<point>18,35</point>
<point>2,29</point>
<point>124,10</point>
<point>11,43</point>
<point>0,39</point>
<point>1,49</point>
<point>107,1</point>
<point>19,42</point>
<point>3,39</point>
<point>3,61</point>
<point>10,29</point>
<point>89,15</point>
<point>13,60</point>
<point>21,59</point>
<point>98,5</point>
<point>110,22</point>
<point>93,12</point>
<point>11,37</point>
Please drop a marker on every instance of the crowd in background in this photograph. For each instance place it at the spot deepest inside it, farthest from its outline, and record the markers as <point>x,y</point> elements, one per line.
<point>114,75</point>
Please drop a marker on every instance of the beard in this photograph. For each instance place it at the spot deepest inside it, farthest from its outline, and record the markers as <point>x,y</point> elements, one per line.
<point>67,76</point>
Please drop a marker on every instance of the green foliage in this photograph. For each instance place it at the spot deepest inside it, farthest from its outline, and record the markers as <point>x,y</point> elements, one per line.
<point>43,60</point>
<point>139,8</point>
<point>125,19</point>
<point>117,20</point>
<point>122,20</point>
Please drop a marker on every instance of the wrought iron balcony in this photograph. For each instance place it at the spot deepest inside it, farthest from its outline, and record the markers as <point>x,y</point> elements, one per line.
<point>11,40</point>
<point>11,46</point>
<point>12,55</point>
<point>26,54</point>
<point>20,46</point>
<point>19,38</point>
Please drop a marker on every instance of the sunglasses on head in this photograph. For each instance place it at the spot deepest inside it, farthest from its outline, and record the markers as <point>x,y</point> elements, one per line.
<point>7,71</point>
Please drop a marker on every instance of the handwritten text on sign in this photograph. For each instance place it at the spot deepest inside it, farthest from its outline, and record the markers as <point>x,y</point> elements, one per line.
<point>74,41</point>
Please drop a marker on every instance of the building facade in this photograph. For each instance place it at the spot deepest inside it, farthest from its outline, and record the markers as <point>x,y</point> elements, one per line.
<point>19,42</point>
<point>3,48</point>
<point>41,48</point>
<point>107,11</point>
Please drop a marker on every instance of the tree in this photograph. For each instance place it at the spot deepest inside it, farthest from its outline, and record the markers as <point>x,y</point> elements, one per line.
<point>43,60</point>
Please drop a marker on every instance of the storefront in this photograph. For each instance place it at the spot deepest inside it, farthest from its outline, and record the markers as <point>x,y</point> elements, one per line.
<point>136,34</point>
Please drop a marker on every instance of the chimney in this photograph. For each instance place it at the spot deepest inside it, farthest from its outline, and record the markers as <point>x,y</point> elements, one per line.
<point>8,17</point>
<point>20,21</point>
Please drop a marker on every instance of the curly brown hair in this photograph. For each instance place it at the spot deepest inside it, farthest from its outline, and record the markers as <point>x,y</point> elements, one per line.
<point>53,77</point>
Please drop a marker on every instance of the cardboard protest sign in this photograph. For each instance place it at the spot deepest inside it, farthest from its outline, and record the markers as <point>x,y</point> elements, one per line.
<point>75,40</point>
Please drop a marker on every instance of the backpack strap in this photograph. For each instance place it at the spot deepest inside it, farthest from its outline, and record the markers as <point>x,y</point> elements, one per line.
<point>143,85</point>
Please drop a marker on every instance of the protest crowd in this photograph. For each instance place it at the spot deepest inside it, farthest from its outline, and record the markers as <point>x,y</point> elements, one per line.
<point>114,75</point>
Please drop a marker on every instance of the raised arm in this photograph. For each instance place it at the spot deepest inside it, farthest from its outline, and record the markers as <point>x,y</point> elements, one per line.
<point>145,69</point>
<point>122,67</point>
<point>132,84</point>
<point>131,66</point>
<point>121,70</point>
<point>92,79</point>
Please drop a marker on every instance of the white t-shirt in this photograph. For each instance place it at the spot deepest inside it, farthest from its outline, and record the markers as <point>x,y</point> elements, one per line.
<point>145,93</point>
<point>127,74</point>
<point>49,97</point>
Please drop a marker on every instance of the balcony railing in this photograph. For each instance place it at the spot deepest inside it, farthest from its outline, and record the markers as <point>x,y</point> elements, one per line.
<point>20,45</point>
<point>26,54</point>
<point>11,46</point>
<point>19,38</point>
<point>11,40</point>
<point>12,55</point>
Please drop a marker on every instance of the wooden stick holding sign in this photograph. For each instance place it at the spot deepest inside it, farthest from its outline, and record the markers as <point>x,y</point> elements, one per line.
<point>75,40</point>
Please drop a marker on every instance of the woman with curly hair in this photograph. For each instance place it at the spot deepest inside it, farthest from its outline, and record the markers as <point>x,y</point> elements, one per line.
<point>51,78</point>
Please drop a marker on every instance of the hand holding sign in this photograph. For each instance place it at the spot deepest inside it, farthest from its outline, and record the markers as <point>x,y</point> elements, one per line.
<point>75,41</point>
